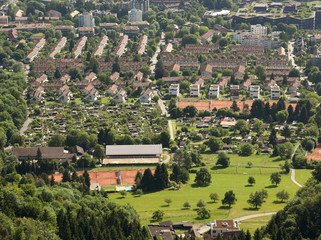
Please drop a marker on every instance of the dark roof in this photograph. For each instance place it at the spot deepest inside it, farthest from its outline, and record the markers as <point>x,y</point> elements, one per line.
<point>166,233</point>
<point>114,150</point>
<point>166,224</point>
<point>46,152</point>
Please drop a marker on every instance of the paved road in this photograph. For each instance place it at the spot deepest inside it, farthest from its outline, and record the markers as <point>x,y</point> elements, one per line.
<point>254,216</point>
<point>171,129</point>
<point>25,126</point>
<point>293,178</point>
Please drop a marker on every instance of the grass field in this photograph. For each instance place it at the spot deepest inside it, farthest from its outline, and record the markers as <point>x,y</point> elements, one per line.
<point>313,3</point>
<point>232,178</point>
<point>254,223</point>
<point>258,160</point>
<point>302,175</point>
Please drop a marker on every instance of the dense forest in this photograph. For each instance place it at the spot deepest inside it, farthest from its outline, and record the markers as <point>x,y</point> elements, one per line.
<point>32,208</point>
<point>13,108</point>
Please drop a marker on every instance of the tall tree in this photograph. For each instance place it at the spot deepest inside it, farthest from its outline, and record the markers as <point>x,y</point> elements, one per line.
<point>203,177</point>
<point>148,183</point>
<point>229,198</point>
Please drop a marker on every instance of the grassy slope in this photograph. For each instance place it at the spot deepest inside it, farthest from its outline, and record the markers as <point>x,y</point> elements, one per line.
<point>226,179</point>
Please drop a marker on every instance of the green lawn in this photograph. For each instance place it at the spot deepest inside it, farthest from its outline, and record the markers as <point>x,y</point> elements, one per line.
<point>105,100</point>
<point>232,178</point>
<point>254,223</point>
<point>302,175</point>
<point>313,2</point>
<point>174,128</point>
<point>257,160</point>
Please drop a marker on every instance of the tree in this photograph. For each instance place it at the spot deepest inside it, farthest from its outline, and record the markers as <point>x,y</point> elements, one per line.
<point>223,159</point>
<point>189,39</point>
<point>201,203</point>
<point>283,195</point>
<point>275,178</point>
<point>86,179</point>
<point>123,193</point>
<point>214,144</point>
<point>94,64</point>
<point>235,107</point>
<point>147,182</point>
<point>214,197</point>
<point>187,205</point>
<point>229,198</point>
<point>99,152</point>
<point>39,155</point>
<point>168,201</point>
<point>294,73</point>
<point>190,111</point>
<point>56,140</point>
<point>165,139</point>
<point>272,137</point>
<point>286,167</point>
<point>260,72</point>
<point>251,180</point>
<point>203,213</point>
<point>203,177</point>
<point>158,215</point>
<point>285,150</point>
<point>161,176</point>
<point>66,176</point>
<point>223,42</point>
<point>282,115</point>
<point>317,172</point>
<point>286,132</point>
<point>256,199</point>
<point>116,67</point>
<point>246,149</point>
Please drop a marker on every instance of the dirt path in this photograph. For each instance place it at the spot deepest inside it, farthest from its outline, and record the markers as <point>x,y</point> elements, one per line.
<point>254,216</point>
<point>293,178</point>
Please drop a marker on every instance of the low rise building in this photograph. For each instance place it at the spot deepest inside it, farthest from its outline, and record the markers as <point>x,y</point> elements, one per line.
<point>147,96</point>
<point>235,91</point>
<point>174,90</point>
<point>86,31</point>
<point>214,91</point>
<point>227,228</point>
<point>255,91</point>
<point>120,96</point>
<point>275,92</point>
<point>194,90</point>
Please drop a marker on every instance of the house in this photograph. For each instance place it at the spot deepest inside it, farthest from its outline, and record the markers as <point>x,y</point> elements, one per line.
<point>225,227</point>
<point>138,76</point>
<point>37,94</point>
<point>90,77</point>
<point>161,232</point>
<point>49,153</point>
<point>200,81</point>
<point>3,19</point>
<point>214,91</point>
<point>174,90</point>
<point>194,90</point>
<point>64,94</point>
<point>131,30</point>
<point>224,81</point>
<point>275,92</point>
<point>207,37</point>
<point>255,91</point>
<point>120,96</point>
<point>43,78</point>
<point>54,13</point>
<point>239,72</point>
<point>227,122</point>
<point>88,88</point>
<point>147,96</point>
<point>293,88</point>
<point>100,46</point>
<point>12,34</point>
<point>245,84</point>
<point>235,91</point>
<point>65,78</point>
<point>124,154</point>
<point>112,90</point>
<point>269,85</point>
<point>114,76</point>
<point>92,95</point>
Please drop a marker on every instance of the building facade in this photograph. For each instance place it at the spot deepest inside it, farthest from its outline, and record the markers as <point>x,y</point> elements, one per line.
<point>86,20</point>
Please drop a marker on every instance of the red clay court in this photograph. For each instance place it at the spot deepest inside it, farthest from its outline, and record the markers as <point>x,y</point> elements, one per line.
<point>107,178</point>
<point>210,105</point>
<point>316,154</point>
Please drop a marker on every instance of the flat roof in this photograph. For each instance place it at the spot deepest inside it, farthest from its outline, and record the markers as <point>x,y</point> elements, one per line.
<point>118,150</point>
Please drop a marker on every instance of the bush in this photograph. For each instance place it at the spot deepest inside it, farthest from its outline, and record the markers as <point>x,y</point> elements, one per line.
<point>246,149</point>
<point>223,159</point>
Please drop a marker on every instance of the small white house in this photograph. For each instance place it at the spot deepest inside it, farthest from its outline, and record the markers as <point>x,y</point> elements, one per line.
<point>275,92</point>
<point>214,91</point>
<point>194,90</point>
<point>174,90</point>
<point>255,91</point>
<point>224,227</point>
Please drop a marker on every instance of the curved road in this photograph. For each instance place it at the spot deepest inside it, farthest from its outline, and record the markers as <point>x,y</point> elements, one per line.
<point>254,216</point>
<point>293,178</point>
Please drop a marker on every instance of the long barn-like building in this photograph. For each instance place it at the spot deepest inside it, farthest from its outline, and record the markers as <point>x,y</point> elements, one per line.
<point>133,154</point>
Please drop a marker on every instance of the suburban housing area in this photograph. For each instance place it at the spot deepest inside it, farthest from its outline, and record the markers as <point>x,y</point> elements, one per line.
<point>160,119</point>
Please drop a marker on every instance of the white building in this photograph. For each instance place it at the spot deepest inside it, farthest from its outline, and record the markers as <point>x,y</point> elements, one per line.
<point>86,20</point>
<point>120,96</point>
<point>259,30</point>
<point>255,91</point>
<point>135,15</point>
<point>275,92</point>
<point>194,90</point>
<point>174,90</point>
<point>224,226</point>
<point>147,96</point>
<point>214,91</point>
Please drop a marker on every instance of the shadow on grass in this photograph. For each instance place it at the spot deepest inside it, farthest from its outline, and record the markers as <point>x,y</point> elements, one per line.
<point>224,207</point>
<point>184,208</point>
<point>277,160</point>
<point>165,205</point>
<point>248,185</point>
<point>120,197</point>
<point>194,185</point>
<point>211,202</point>
<point>278,202</point>
<point>216,167</point>
<point>271,186</point>
<point>251,209</point>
